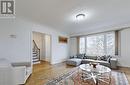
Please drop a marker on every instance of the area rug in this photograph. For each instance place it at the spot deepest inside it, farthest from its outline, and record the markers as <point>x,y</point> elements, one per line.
<point>74,78</point>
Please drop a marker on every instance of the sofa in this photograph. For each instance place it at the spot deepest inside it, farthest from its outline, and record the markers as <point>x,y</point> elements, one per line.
<point>109,61</point>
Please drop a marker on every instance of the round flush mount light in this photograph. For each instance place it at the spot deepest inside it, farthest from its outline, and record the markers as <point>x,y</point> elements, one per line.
<point>80,17</point>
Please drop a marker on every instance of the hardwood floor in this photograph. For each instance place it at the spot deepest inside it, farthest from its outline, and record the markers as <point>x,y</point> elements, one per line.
<point>44,71</point>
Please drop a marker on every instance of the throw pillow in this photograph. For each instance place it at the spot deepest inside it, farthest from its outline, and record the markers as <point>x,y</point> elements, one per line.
<point>102,58</point>
<point>71,57</point>
<point>85,56</point>
<point>80,56</point>
<point>98,58</point>
<point>105,58</point>
<point>109,57</point>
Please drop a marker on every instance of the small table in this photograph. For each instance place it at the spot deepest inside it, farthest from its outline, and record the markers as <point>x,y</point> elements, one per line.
<point>88,72</point>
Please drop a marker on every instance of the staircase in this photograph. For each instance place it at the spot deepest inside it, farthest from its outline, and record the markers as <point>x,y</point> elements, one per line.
<point>36,53</point>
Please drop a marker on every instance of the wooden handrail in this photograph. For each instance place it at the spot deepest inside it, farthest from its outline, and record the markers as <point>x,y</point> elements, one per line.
<point>35,44</point>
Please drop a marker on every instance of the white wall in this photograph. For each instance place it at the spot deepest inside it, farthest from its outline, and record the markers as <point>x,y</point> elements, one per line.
<point>59,52</point>
<point>48,48</point>
<point>124,51</point>
<point>19,49</point>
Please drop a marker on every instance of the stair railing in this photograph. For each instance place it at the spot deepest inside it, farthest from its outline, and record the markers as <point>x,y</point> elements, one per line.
<point>36,49</point>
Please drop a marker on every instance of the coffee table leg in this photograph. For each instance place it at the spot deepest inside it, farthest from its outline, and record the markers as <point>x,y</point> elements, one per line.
<point>96,81</point>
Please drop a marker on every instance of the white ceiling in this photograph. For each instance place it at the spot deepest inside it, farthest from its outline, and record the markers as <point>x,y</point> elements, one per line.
<point>58,14</point>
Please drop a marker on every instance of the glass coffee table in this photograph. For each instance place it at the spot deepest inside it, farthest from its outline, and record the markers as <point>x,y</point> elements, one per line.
<point>98,74</point>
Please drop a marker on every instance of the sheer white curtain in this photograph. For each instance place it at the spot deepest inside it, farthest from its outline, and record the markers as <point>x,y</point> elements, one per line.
<point>82,45</point>
<point>98,44</point>
<point>95,45</point>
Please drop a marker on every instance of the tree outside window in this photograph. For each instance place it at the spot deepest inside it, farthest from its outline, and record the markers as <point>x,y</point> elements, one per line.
<point>98,45</point>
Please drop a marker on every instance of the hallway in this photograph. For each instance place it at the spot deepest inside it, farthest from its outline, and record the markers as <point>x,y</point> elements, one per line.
<point>41,47</point>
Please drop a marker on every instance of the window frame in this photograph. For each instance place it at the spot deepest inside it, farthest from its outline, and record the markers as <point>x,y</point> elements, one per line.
<point>105,41</point>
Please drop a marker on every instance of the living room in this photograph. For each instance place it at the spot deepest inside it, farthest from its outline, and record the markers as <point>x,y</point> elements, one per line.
<point>89,42</point>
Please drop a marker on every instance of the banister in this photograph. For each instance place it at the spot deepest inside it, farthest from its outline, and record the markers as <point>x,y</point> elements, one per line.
<point>36,49</point>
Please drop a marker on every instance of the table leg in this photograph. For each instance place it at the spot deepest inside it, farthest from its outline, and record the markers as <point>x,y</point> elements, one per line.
<point>96,81</point>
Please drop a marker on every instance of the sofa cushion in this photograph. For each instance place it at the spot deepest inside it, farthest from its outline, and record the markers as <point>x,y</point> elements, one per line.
<point>100,61</point>
<point>92,57</point>
<point>105,58</point>
<point>71,57</point>
<point>86,61</point>
<point>74,61</point>
<point>85,57</point>
<point>80,56</point>
<point>15,64</point>
<point>105,63</point>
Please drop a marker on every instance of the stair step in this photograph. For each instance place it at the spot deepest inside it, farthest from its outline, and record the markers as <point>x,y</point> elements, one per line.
<point>35,58</point>
<point>34,52</point>
<point>34,55</point>
<point>36,62</point>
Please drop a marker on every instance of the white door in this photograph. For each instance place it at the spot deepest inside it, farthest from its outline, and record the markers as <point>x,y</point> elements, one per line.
<point>48,48</point>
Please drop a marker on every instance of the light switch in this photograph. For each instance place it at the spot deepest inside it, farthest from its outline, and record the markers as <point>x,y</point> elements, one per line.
<point>12,36</point>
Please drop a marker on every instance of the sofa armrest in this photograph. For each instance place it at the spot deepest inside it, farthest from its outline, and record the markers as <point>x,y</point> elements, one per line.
<point>113,63</point>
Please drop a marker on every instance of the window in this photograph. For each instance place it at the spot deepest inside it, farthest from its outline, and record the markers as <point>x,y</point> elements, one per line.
<point>98,44</point>
<point>110,44</point>
<point>82,45</point>
<point>95,45</point>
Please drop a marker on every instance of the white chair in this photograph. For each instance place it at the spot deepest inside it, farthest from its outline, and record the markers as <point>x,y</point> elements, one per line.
<point>6,73</point>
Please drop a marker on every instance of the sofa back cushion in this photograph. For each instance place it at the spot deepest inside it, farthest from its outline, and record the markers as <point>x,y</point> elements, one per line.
<point>92,57</point>
<point>80,56</point>
<point>105,58</point>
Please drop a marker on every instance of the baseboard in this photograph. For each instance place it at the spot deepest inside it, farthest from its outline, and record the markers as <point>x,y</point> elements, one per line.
<point>57,62</point>
<point>123,67</point>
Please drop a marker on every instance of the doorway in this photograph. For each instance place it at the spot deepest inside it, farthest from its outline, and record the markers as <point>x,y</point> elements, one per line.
<point>41,47</point>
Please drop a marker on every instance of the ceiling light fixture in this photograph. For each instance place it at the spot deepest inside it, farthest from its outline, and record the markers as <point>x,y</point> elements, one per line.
<point>80,17</point>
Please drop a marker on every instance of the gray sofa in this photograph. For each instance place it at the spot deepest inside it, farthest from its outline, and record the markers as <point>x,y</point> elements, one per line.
<point>108,61</point>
